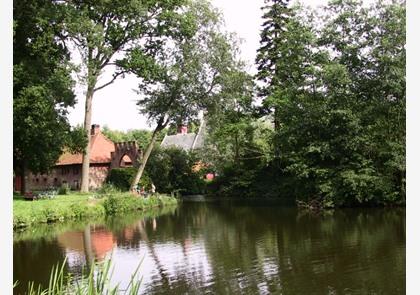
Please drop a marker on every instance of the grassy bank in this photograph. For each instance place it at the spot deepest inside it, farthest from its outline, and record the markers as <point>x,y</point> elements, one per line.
<point>78,206</point>
<point>49,232</point>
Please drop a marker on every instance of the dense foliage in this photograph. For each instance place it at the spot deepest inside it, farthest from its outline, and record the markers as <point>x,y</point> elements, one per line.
<point>336,92</point>
<point>42,89</point>
<point>171,170</point>
<point>121,178</point>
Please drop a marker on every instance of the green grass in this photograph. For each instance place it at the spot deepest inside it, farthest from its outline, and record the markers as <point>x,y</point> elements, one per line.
<point>78,206</point>
<point>94,282</point>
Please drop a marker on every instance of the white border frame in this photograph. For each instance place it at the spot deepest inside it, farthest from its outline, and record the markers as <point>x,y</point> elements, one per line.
<point>6,158</point>
<point>413,147</point>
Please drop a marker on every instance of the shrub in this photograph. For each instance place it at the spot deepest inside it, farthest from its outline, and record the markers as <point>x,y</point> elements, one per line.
<point>108,189</point>
<point>80,210</point>
<point>117,204</point>
<point>111,205</point>
<point>171,171</point>
<point>64,189</point>
<point>21,220</point>
<point>121,178</point>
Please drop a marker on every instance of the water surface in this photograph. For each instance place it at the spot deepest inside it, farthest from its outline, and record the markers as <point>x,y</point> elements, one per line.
<point>230,247</point>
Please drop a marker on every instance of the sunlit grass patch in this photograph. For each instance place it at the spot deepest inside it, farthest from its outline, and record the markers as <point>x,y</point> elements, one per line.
<point>78,206</point>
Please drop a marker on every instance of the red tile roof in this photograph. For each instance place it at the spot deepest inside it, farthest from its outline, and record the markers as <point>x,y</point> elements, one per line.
<point>100,152</point>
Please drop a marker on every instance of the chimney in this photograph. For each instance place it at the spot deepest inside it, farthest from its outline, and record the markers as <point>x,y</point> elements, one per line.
<point>182,129</point>
<point>95,129</point>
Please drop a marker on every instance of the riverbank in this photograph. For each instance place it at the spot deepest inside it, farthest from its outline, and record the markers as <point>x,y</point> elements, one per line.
<point>78,206</point>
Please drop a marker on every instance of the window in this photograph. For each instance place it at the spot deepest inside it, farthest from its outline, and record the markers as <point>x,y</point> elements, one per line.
<point>65,170</point>
<point>75,170</point>
<point>126,161</point>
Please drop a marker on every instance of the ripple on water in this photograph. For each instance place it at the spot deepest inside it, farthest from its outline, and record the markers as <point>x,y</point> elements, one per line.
<point>213,249</point>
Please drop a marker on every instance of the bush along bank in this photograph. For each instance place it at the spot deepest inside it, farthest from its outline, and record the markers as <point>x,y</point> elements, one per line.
<point>78,206</point>
<point>169,170</point>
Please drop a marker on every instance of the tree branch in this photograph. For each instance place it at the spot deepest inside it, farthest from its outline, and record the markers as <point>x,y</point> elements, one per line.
<point>110,82</point>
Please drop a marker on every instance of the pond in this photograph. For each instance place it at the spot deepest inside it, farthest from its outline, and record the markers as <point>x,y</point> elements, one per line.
<point>229,247</point>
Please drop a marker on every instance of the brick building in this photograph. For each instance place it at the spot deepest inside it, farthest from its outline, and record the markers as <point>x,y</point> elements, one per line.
<point>104,155</point>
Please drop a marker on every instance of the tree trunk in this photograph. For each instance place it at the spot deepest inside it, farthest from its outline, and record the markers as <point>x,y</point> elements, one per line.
<point>145,158</point>
<point>84,187</point>
<point>87,245</point>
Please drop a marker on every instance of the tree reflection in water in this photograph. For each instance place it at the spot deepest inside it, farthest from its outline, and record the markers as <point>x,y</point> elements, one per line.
<point>242,248</point>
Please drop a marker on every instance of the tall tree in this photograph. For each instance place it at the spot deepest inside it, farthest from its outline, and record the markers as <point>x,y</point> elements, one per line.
<point>184,76</point>
<point>42,88</point>
<point>342,140</point>
<point>274,63</point>
<point>373,52</point>
<point>102,31</point>
<point>336,85</point>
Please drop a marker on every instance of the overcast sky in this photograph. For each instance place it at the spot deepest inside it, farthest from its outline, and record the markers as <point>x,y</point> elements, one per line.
<point>115,105</point>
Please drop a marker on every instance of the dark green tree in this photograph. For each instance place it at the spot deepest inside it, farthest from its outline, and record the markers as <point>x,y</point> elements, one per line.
<point>273,58</point>
<point>336,85</point>
<point>171,170</point>
<point>42,88</point>
<point>342,138</point>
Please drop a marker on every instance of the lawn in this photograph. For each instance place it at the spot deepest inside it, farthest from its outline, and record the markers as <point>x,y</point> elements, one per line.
<point>78,206</point>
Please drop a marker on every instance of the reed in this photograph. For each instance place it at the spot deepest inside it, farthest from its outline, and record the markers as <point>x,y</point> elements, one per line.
<point>96,281</point>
